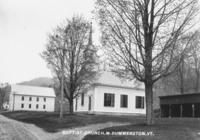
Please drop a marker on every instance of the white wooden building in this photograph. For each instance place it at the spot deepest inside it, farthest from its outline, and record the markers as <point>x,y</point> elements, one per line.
<point>111,95</point>
<point>31,98</point>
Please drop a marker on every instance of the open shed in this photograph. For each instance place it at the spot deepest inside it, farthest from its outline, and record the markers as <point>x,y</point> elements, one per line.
<point>184,105</point>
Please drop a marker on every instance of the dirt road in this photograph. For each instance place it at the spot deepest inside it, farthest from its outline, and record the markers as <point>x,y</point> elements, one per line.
<point>12,130</point>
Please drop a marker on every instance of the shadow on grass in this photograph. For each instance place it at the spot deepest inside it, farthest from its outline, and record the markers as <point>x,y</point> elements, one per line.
<point>50,122</point>
<point>163,129</point>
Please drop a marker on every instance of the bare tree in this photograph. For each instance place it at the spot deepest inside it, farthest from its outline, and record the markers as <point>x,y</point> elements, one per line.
<point>179,79</point>
<point>181,74</point>
<point>195,59</point>
<point>141,37</point>
<point>186,77</point>
<point>71,54</point>
<point>5,90</point>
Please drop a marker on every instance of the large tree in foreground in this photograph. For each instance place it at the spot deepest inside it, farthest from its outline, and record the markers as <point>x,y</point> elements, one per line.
<point>72,57</point>
<point>141,38</point>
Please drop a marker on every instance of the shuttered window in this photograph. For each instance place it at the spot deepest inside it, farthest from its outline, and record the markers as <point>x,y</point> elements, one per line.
<point>109,99</point>
<point>82,99</point>
<point>124,101</point>
<point>139,103</point>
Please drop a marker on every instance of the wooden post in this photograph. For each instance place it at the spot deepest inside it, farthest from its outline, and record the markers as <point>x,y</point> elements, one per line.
<point>160,111</point>
<point>181,110</point>
<point>193,113</point>
<point>169,110</point>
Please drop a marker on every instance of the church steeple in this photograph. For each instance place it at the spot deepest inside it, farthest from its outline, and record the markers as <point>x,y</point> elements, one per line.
<point>89,51</point>
<point>90,35</point>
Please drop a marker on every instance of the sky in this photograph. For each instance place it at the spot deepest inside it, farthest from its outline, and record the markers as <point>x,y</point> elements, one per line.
<point>24,25</point>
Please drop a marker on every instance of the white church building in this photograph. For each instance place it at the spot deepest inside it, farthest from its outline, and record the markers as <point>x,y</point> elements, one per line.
<point>111,95</point>
<point>31,98</point>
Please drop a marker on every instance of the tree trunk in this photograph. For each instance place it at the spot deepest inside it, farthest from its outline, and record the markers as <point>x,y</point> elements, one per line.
<point>181,83</point>
<point>71,106</point>
<point>1,106</point>
<point>197,81</point>
<point>149,103</point>
<point>1,103</point>
<point>181,72</point>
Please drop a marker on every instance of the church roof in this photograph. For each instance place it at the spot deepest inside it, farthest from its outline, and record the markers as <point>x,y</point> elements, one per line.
<point>106,78</point>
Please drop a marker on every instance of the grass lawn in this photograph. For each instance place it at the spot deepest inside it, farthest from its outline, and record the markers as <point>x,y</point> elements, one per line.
<point>50,121</point>
<point>164,129</point>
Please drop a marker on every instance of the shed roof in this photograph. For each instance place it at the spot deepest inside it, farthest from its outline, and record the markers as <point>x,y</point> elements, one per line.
<point>180,99</point>
<point>180,95</point>
<point>32,90</point>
